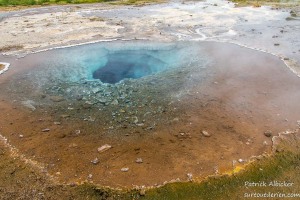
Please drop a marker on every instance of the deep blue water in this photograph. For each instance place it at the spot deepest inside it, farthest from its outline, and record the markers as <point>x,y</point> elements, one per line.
<point>128,64</point>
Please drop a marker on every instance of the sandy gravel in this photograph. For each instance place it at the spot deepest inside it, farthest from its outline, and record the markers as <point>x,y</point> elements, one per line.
<point>269,29</point>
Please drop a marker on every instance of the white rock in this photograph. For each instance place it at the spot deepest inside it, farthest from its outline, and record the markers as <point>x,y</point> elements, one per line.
<point>206,134</point>
<point>29,104</point>
<point>190,176</point>
<point>125,169</point>
<point>95,161</point>
<point>104,148</point>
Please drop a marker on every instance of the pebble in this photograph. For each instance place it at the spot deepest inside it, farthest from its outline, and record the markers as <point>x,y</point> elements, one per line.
<point>143,192</point>
<point>268,133</point>
<point>56,98</point>
<point>79,97</point>
<point>206,134</point>
<point>102,101</point>
<point>29,104</point>
<point>21,136</point>
<point>190,176</point>
<point>240,160</point>
<point>57,123</point>
<point>90,176</point>
<point>104,148</point>
<point>125,169</point>
<point>136,120</point>
<point>73,145</point>
<point>95,161</point>
<point>122,111</point>
<point>46,130</point>
<point>96,90</point>
<point>115,102</point>
<point>139,160</point>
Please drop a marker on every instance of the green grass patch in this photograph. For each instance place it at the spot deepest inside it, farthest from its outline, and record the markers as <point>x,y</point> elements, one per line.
<point>45,2</point>
<point>5,3</point>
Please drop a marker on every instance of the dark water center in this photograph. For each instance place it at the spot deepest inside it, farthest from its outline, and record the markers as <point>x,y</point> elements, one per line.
<point>127,64</point>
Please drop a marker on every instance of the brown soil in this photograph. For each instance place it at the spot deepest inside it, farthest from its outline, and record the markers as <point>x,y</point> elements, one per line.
<point>248,94</point>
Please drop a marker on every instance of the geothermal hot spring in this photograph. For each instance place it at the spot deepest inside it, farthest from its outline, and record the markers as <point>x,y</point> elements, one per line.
<point>159,110</point>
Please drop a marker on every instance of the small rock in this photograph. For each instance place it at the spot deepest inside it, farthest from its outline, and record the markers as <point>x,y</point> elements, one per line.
<point>268,133</point>
<point>56,98</point>
<point>90,176</point>
<point>73,184</point>
<point>21,136</point>
<point>125,169</point>
<point>102,101</point>
<point>136,120</point>
<point>95,90</point>
<point>29,104</point>
<point>77,132</point>
<point>122,111</point>
<point>276,44</point>
<point>139,160</point>
<point>65,116</point>
<point>265,143</point>
<point>87,105</point>
<point>73,145</point>
<point>46,130</point>
<point>190,176</point>
<point>79,97</point>
<point>143,192</point>
<point>95,161</point>
<point>57,123</point>
<point>104,148</point>
<point>206,134</point>
<point>240,160</point>
<point>114,102</point>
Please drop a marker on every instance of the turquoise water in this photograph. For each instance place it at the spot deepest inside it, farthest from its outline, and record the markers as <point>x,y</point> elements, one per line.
<point>113,62</point>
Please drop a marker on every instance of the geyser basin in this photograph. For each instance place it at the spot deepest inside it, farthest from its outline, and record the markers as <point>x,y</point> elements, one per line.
<point>128,64</point>
<point>233,93</point>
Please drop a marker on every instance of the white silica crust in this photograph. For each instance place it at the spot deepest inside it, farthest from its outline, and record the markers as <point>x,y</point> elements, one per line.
<point>6,66</point>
